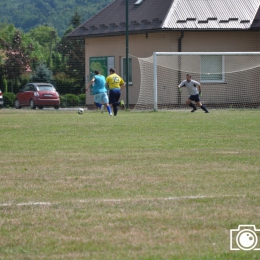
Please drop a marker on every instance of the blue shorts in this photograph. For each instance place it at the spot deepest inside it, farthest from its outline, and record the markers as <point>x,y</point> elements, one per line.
<point>114,95</point>
<point>195,98</point>
<point>101,98</point>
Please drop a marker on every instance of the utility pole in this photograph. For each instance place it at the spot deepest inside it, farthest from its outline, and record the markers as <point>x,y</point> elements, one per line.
<point>127,62</point>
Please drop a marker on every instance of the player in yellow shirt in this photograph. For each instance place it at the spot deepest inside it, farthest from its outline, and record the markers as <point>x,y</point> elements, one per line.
<point>115,84</point>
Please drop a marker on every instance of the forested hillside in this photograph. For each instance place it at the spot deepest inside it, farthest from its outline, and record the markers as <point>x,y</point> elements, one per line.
<point>28,14</point>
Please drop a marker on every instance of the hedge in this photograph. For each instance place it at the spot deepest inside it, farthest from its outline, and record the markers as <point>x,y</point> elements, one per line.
<point>69,100</point>
<point>9,98</point>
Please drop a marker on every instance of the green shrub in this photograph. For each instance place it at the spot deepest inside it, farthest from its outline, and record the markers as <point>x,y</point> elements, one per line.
<point>63,101</point>
<point>9,98</point>
<point>71,100</point>
<point>82,99</point>
<point>3,82</point>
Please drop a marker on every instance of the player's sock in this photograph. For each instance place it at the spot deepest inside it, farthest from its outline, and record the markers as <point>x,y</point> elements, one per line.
<point>193,106</point>
<point>204,108</point>
<point>115,109</point>
<point>98,105</point>
<point>109,110</point>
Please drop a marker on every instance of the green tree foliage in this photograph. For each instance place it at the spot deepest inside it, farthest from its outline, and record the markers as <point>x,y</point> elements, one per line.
<point>75,20</point>
<point>28,14</point>
<point>42,74</point>
<point>73,58</point>
<point>7,32</point>
<point>44,40</point>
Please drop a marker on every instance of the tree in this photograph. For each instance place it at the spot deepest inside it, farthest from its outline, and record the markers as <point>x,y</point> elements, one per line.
<point>73,56</point>
<point>45,39</point>
<point>29,14</point>
<point>42,74</point>
<point>17,58</point>
<point>7,32</point>
<point>75,20</point>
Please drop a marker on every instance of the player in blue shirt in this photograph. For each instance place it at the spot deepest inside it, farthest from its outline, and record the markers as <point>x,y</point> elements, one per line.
<point>194,89</point>
<point>100,91</point>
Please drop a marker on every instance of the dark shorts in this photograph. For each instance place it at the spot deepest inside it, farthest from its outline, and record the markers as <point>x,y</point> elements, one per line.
<point>114,95</point>
<point>195,98</point>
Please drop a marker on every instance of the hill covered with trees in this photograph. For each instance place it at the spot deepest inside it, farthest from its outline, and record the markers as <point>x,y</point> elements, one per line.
<point>28,14</point>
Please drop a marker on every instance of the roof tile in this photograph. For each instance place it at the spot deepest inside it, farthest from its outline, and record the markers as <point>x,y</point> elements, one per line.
<point>172,15</point>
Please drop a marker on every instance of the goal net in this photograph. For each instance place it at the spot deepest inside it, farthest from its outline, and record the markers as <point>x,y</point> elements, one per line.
<point>228,80</point>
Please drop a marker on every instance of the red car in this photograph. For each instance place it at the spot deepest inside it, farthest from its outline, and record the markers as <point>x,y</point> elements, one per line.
<point>37,95</point>
<point>1,99</point>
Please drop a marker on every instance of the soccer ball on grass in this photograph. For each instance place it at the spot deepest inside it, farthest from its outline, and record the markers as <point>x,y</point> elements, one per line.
<point>80,111</point>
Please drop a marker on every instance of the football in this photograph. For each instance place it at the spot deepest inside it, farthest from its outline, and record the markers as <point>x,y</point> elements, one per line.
<point>80,111</point>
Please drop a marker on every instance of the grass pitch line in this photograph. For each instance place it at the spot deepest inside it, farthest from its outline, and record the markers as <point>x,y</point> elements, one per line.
<point>26,204</point>
<point>33,203</point>
<point>165,199</point>
<point>122,200</point>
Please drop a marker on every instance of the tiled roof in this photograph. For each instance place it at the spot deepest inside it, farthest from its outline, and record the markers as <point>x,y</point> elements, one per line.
<point>212,14</point>
<point>156,15</point>
<point>111,20</point>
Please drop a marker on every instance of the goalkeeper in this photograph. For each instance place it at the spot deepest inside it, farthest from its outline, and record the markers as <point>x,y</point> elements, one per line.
<point>194,89</point>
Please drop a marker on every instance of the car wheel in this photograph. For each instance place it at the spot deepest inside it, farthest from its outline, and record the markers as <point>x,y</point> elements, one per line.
<point>56,107</point>
<point>32,105</point>
<point>41,107</point>
<point>17,104</point>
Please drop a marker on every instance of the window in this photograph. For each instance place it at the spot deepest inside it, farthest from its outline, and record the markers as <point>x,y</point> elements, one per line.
<point>28,87</point>
<point>212,68</point>
<point>45,88</point>
<point>123,69</point>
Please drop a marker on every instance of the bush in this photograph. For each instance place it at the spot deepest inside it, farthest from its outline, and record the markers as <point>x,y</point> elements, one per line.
<point>82,99</point>
<point>71,100</point>
<point>9,98</point>
<point>5,85</point>
<point>63,101</point>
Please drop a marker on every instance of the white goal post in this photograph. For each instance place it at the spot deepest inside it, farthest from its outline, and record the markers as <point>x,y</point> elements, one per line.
<point>228,79</point>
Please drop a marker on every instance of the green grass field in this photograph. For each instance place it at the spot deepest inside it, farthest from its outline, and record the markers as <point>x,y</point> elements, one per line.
<point>154,185</point>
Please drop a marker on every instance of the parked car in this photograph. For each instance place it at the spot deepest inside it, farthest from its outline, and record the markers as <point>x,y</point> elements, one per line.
<point>37,95</point>
<point>1,99</point>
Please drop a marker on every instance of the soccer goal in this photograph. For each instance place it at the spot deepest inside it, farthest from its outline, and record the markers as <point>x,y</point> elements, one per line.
<point>228,79</point>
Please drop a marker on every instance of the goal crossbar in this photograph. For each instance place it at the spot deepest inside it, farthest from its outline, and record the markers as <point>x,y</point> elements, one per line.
<point>205,53</point>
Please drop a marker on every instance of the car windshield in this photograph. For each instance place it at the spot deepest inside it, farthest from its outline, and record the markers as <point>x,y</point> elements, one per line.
<point>45,88</point>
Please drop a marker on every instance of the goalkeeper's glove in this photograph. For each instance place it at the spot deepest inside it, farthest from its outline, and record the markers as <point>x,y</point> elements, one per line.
<point>200,93</point>
<point>179,89</point>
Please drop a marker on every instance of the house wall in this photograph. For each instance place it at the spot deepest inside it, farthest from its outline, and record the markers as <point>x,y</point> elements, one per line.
<point>143,45</point>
